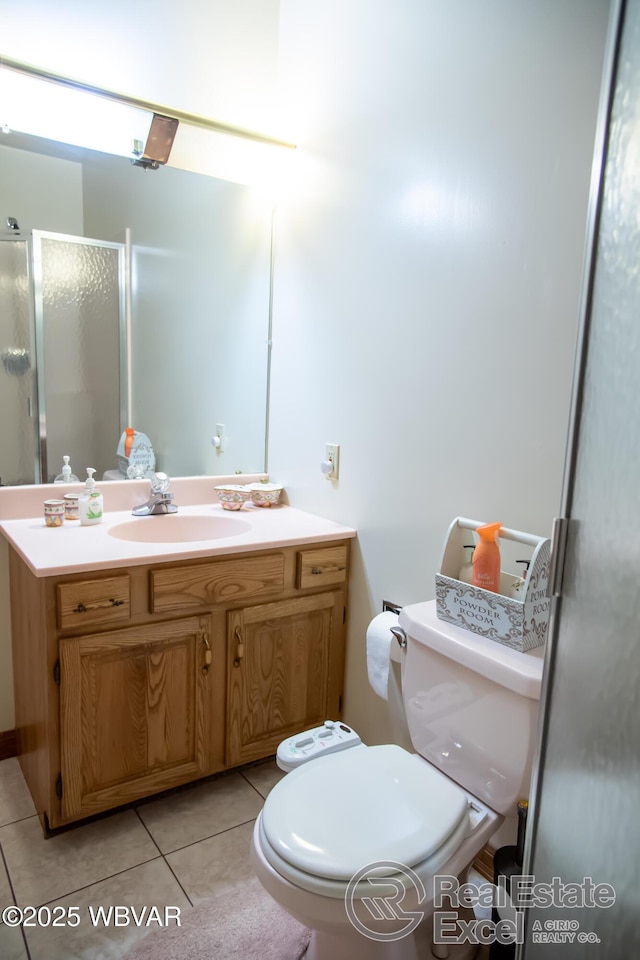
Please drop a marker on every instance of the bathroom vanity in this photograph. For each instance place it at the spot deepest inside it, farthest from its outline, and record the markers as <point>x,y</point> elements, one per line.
<point>176,662</point>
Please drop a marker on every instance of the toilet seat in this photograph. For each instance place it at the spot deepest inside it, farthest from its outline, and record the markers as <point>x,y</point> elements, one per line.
<point>336,889</point>
<point>331,817</point>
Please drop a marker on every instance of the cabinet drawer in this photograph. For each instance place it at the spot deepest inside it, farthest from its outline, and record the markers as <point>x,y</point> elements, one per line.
<point>318,568</point>
<point>222,582</point>
<point>93,601</point>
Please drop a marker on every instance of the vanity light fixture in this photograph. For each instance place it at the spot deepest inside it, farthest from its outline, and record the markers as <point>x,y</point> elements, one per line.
<point>159,142</point>
<point>56,107</point>
<point>123,99</point>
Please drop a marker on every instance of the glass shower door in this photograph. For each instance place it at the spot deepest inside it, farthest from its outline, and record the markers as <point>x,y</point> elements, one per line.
<point>18,439</point>
<point>81,349</point>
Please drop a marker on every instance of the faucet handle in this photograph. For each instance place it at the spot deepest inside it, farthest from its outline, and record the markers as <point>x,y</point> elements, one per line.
<point>159,482</point>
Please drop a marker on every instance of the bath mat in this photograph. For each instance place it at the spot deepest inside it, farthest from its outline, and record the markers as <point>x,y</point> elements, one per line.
<point>241,925</point>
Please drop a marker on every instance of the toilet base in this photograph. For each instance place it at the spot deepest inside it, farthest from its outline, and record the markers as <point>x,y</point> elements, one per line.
<point>334,938</point>
<point>351,945</point>
<point>346,946</point>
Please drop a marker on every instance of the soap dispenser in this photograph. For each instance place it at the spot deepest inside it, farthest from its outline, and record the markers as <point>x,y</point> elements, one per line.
<point>466,570</point>
<point>516,587</point>
<point>67,476</point>
<point>90,502</point>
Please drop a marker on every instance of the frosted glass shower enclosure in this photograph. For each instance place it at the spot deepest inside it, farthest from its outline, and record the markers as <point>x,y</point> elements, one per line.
<point>63,352</point>
<point>18,423</point>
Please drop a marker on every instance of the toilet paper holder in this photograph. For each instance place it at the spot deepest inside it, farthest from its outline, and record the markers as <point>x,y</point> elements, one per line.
<point>398,632</point>
<point>390,605</point>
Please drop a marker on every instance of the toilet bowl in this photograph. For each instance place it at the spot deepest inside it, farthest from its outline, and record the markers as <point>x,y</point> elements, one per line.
<point>350,843</point>
<point>380,808</point>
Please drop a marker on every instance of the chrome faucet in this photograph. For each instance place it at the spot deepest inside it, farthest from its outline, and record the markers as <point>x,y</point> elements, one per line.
<point>160,500</point>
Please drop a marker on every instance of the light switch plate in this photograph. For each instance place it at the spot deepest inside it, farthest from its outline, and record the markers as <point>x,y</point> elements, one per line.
<point>333,454</point>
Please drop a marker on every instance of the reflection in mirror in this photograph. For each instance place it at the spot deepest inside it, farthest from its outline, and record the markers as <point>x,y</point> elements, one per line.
<point>192,348</point>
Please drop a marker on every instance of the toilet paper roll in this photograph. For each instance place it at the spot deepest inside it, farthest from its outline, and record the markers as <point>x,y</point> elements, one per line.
<point>379,639</point>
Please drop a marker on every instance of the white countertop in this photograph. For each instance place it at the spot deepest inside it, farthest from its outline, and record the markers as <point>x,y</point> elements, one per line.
<point>73,548</point>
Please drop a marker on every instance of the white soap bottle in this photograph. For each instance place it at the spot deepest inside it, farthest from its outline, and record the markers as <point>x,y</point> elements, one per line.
<point>90,502</point>
<point>67,475</point>
<point>466,570</point>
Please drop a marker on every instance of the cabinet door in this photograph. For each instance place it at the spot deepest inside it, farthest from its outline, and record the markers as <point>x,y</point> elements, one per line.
<point>133,713</point>
<point>281,657</point>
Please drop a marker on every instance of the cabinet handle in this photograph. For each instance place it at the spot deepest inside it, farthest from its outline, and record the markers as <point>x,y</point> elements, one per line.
<point>208,656</point>
<point>83,608</point>
<point>240,647</point>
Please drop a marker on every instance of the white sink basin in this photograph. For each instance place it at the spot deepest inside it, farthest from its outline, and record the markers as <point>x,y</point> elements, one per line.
<point>174,528</point>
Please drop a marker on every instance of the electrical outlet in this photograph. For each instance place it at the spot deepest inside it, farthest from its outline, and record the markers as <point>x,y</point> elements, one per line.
<point>333,455</point>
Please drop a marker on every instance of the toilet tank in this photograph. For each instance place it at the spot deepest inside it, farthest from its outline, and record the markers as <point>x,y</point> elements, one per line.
<point>471,706</point>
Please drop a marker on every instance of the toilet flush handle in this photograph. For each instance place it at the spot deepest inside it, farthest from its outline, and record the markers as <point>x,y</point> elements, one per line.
<point>400,636</point>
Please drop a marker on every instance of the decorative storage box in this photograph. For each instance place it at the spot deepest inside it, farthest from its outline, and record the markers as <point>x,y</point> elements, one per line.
<point>519,624</point>
<point>141,459</point>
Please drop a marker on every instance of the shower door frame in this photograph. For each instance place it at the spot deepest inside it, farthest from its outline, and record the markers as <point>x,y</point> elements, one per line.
<point>38,316</point>
<point>33,400</point>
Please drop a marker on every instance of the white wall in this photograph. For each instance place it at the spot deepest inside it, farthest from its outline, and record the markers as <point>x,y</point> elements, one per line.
<point>43,193</point>
<point>213,57</point>
<point>428,275</point>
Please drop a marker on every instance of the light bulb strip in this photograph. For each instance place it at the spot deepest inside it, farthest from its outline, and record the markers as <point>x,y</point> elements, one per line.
<point>190,118</point>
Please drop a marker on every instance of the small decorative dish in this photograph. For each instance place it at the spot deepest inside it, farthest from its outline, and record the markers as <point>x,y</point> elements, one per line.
<point>265,494</point>
<point>233,495</point>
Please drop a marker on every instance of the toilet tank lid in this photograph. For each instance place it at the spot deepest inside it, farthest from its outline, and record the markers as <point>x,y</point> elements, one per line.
<point>519,672</point>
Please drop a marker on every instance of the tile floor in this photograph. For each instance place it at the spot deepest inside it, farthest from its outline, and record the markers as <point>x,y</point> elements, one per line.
<point>174,851</point>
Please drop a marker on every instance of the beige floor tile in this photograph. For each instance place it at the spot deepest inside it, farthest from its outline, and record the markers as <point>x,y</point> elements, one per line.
<point>202,811</point>
<point>15,799</point>
<point>11,944</point>
<point>6,896</point>
<point>43,870</point>
<point>151,884</point>
<point>264,776</point>
<point>215,865</point>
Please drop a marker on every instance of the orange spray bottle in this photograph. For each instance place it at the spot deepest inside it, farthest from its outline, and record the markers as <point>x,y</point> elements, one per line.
<point>486,558</point>
<point>128,442</point>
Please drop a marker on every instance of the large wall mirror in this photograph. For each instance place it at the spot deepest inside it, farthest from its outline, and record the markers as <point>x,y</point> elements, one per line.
<point>183,345</point>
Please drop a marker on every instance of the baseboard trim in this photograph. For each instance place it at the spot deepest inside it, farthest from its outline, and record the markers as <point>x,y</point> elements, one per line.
<point>483,863</point>
<point>8,744</point>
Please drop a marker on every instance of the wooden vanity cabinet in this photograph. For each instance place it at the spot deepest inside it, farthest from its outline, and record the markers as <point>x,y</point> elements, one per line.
<point>133,708</point>
<point>132,681</point>
<point>284,671</point>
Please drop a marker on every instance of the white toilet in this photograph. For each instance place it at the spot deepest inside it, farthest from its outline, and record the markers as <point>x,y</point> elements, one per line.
<point>471,706</point>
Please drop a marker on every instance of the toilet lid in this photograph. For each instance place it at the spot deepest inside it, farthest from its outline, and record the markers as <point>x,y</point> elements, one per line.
<point>339,813</point>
